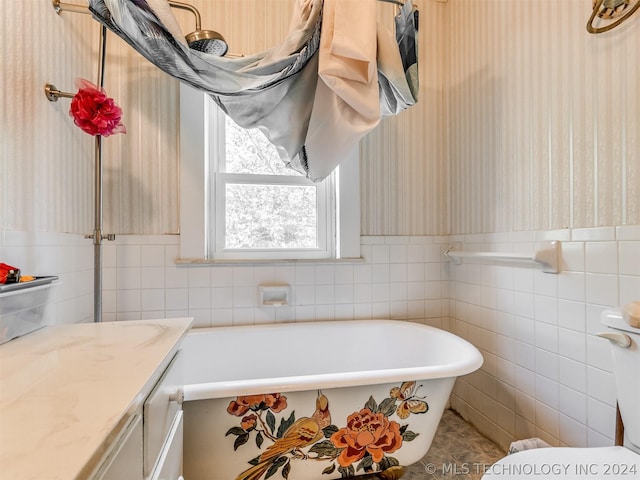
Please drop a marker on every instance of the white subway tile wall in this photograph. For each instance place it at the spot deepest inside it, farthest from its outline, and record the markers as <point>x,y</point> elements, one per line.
<point>546,374</point>
<point>70,257</point>
<point>401,277</point>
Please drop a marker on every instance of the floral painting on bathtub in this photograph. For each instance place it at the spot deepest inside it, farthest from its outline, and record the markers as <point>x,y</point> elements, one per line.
<point>362,443</point>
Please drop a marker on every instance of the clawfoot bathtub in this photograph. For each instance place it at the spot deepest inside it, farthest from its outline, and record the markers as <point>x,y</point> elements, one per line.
<point>318,400</point>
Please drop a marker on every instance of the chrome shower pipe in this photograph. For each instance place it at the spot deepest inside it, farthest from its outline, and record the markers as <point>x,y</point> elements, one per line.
<point>60,7</point>
<point>98,235</point>
<point>190,8</point>
<point>202,40</point>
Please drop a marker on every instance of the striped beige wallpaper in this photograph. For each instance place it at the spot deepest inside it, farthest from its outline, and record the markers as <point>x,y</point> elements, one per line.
<point>45,161</point>
<point>46,167</point>
<point>404,166</point>
<point>544,117</point>
<point>525,121</point>
<point>141,167</point>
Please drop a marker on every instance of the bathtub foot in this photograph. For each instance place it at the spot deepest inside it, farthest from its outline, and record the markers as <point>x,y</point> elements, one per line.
<point>393,473</point>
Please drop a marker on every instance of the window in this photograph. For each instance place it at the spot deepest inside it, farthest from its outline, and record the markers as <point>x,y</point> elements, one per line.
<point>262,209</point>
<point>239,201</point>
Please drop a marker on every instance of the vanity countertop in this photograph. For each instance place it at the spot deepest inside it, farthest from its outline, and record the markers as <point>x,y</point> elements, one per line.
<point>66,390</point>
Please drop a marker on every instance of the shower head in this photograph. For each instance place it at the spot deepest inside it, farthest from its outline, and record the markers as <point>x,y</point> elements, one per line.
<point>206,41</point>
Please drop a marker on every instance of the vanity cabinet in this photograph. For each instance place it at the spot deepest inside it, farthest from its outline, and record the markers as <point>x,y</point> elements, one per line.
<point>99,401</point>
<point>149,447</point>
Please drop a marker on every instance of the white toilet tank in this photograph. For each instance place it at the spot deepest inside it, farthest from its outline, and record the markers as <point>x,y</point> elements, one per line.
<point>626,369</point>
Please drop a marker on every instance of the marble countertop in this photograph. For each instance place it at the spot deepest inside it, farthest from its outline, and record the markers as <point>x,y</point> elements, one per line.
<point>66,390</point>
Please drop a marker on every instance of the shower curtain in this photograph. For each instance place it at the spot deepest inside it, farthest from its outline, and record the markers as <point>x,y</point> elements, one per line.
<point>314,96</point>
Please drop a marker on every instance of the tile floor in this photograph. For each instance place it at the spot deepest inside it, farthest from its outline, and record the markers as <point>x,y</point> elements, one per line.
<point>458,451</point>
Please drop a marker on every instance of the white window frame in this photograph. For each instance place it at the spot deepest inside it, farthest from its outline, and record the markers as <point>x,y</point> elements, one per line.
<point>325,203</point>
<point>197,131</point>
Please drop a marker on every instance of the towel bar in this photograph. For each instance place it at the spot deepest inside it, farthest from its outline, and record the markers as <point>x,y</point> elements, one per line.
<point>548,255</point>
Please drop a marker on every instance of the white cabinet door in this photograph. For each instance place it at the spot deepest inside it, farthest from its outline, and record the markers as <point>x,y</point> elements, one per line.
<point>124,461</point>
<point>160,410</point>
<point>169,466</point>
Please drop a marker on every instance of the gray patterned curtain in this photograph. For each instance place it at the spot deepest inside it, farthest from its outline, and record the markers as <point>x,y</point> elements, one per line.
<point>273,90</point>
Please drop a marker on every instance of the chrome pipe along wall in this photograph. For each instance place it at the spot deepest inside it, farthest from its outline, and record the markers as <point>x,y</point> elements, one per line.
<point>53,94</point>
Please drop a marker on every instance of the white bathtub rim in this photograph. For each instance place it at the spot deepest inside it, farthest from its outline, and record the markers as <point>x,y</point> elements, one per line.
<point>304,324</point>
<point>469,361</point>
<point>226,389</point>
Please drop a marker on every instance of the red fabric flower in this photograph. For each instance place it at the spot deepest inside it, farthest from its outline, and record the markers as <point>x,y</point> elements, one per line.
<point>366,432</point>
<point>94,112</point>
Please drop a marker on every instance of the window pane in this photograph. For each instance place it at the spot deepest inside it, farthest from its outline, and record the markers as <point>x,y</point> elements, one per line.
<point>271,216</point>
<point>249,151</point>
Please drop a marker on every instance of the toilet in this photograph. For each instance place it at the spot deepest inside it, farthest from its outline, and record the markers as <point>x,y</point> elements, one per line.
<point>601,462</point>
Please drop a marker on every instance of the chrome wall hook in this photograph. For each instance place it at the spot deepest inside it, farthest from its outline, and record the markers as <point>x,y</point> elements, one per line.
<point>60,7</point>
